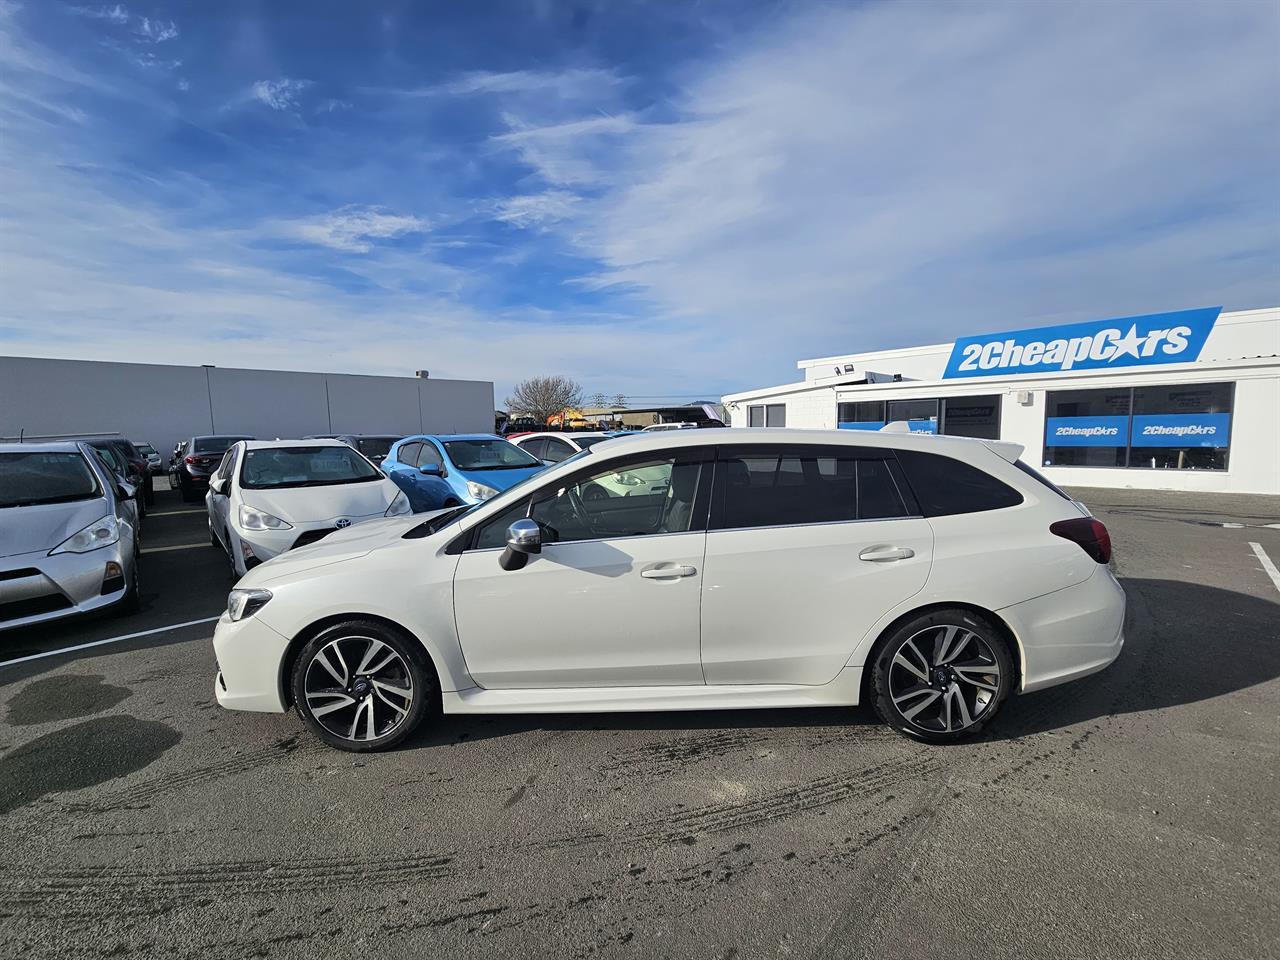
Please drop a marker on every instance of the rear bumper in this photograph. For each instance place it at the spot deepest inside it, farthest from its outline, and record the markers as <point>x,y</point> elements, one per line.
<point>1070,633</point>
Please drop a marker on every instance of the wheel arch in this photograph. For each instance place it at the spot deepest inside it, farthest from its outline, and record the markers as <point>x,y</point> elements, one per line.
<point>1016,652</point>
<point>304,636</point>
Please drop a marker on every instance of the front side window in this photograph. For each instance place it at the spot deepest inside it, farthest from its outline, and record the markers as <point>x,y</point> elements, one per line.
<point>789,487</point>
<point>635,498</point>
<point>429,456</point>
<point>485,454</point>
<point>31,479</point>
<point>557,450</point>
<point>944,486</point>
<point>280,467</point>
<point>375,446</point>
<point>408,454</point>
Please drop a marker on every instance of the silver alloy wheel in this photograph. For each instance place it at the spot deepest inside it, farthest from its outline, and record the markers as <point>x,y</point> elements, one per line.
<point>944,678</point>
<point>361,703</point>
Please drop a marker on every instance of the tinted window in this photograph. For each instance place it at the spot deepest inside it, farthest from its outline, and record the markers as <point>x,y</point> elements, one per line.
<point>775,415</point>
<point>789,487</point>
<point>557,450</point>
<point>972,417</point>
<point>755,416</point>
<point>535,447</point>
<point>945,486</point>
<point>1033,472</point>
<point>27,479</point>
<point>375,446</point>
<point>214,444</point>
<point>408,454</point>
<point>429,456</point>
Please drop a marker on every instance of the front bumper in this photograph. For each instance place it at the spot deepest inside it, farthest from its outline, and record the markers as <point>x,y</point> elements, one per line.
<point>1069,633</point>
<point>249,655</point>
<point>35,587</point>
<point>266,544</point>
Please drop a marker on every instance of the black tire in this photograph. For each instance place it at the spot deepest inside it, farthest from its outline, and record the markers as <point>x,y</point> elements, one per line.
<point>188,495</point>
<point>966,683</point>
<point>354,640</point>
<point>131,602</point>
<point>213,538</point>
<point>231,557</point>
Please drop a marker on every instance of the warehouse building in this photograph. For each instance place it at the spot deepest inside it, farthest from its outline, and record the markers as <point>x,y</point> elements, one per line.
<point>1188,400</point>
<point>162,404</point>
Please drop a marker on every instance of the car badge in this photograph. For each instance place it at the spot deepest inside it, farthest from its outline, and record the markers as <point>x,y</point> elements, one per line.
<point>344,522</point>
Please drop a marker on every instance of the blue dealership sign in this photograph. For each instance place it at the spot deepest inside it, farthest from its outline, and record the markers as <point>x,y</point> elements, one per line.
<point>1097,344</point>
<point>1086,431</point>
<point>1181,430</point>
<point>917,426</point>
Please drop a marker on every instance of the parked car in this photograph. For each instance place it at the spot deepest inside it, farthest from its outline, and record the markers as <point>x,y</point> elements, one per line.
<point>552,446</point>
<point>266,497</point>
<point>125,459</point>
<point>447,471</point>
<point>659,427</point>
<point>931,576</point>
<point>155,465</point>
<point>193,461</point>
<point>373,445</point>
<point>68,534</point>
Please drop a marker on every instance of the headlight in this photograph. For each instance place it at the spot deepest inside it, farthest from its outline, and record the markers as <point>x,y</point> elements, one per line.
<point>480,491</point>
<point>399,506</point>
<point>252,519</point>
<point>245,603</point>
<point>100,533</point>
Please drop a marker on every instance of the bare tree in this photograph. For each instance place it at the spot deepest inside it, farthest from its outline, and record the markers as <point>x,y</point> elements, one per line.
<point>540,397</point>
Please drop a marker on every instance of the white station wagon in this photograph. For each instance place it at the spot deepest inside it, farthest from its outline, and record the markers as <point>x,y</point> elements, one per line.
<point>931,576</point>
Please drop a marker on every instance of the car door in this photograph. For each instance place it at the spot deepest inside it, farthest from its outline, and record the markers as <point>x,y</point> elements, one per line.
<point>808,546</point>
<point>612,599</point>
<point>555,450</point>
<point>219,504</point>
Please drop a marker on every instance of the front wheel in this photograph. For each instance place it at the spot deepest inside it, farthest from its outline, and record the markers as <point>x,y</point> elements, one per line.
<point>362,686</point>
<point>941,676</point>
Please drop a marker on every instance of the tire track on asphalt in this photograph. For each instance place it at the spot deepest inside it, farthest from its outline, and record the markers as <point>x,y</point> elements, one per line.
<point>769,807</point>
<point>140,795</point>
<point>108,890</point>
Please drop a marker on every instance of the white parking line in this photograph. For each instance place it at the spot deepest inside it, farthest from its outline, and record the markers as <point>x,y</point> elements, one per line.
<point>176,546</point>
<point>174,513</point>
<point>100,643</point>
<point>1267,565</point>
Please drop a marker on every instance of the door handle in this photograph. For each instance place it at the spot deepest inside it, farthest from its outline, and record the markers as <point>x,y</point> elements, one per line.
<point>883,554</point>
<point>669,573</point>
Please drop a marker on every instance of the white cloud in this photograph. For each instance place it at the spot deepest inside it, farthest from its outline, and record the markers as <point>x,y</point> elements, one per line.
<point>281,94</point>
<point>117,14</point>
<point>889,174</point>
<point>572,84</point>
<point>537,209</point>
<point>156,31</point>
<point>352,229</point>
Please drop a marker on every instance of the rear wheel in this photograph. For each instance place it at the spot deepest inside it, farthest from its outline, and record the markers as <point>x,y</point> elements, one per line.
<point>362,686</point>
<point>941,676</point>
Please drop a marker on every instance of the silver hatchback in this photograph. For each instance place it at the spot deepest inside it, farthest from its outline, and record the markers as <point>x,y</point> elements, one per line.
<point>68,534</point>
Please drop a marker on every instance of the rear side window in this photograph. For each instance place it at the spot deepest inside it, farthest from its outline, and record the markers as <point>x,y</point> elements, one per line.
<point>945,486</point>
<point>1033,472</point>
<point>790,487</point>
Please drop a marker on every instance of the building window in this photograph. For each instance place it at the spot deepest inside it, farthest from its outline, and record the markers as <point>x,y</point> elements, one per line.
<point>972,417</point>
<point>767,415</point>
<point>960,416</point>
<point>1166,427</point>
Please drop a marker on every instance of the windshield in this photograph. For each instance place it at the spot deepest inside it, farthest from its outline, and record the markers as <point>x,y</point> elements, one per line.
<point>28,479</point>
<point>495,454</point>
<point>375,446</point>
<point>278,467</point>
<point>215,444</point>
<point>146,448</point>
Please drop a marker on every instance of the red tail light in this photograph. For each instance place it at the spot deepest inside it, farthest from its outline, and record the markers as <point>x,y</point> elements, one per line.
<point>1088,533</point>
<point>189,460</point>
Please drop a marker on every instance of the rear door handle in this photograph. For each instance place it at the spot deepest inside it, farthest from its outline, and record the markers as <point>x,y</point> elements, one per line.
<point>882,554</point>
<point>669,572</point>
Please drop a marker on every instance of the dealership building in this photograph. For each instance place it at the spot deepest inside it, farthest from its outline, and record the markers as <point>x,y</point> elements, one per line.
<point>1188,400</point>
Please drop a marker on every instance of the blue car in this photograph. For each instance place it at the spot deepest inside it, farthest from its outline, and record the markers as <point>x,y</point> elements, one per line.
<point>447,471</point>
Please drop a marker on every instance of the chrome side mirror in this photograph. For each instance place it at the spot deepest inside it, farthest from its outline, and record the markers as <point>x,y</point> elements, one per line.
<point>524,539</point>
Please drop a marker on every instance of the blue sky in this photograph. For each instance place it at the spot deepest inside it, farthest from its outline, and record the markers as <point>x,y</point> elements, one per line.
<point>658,199</point>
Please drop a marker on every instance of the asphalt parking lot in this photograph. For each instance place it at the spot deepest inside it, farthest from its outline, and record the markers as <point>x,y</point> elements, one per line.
<point>1129,814</point>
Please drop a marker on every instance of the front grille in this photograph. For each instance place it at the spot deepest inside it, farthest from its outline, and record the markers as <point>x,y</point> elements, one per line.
<point>19,574</point>
<point>33,606</point>
<point>311,536</point>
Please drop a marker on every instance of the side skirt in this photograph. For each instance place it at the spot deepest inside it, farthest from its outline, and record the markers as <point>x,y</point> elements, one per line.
<point>842,691</point>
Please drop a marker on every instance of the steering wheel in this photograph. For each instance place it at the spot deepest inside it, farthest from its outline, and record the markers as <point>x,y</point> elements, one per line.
<point>593,493</point>
<point>577,508</point>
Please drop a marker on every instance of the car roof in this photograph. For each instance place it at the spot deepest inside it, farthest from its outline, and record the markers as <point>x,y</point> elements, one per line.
<point>455,436</point>
<point>724,436</point>
<point>46,446</point>
<point>568,433</point>
<point>318,443</point>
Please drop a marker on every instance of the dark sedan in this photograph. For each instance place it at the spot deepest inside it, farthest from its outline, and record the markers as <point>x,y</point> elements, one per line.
<point>194,460</point>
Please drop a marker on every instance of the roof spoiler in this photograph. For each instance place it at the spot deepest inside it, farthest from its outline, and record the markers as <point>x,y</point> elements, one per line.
<point>1005,449</point>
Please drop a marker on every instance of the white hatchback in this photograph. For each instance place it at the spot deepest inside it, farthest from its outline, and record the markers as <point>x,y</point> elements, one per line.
<point>932,576</point>
<point>267,497</point>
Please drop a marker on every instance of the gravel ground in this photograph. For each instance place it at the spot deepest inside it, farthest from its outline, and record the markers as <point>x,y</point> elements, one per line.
<point>1131,814</point>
